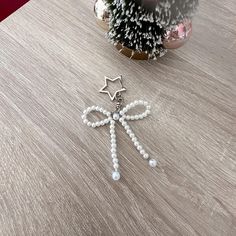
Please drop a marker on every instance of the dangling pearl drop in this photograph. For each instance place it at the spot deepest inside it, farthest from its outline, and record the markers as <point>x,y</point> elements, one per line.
<point>153,163</point>
<point>116,175</point>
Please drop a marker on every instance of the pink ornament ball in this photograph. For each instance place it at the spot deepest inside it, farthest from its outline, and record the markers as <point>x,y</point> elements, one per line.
<point>178,35</point>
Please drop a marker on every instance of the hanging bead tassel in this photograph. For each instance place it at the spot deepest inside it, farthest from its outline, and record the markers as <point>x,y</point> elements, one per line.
<point>116,173</point>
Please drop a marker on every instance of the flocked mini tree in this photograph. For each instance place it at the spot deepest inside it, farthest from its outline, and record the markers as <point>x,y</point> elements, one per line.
<point>141,25</point>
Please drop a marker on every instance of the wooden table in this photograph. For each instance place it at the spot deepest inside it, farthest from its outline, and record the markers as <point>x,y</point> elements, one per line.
<point>55,172</point>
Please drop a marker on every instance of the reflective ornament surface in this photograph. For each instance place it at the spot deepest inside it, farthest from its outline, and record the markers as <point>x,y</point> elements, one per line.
<point>179,35</point>
<point>101,13</point>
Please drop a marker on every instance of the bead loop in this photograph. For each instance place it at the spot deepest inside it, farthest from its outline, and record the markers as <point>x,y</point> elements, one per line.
<point>139,116</point>
<point>98,109</point>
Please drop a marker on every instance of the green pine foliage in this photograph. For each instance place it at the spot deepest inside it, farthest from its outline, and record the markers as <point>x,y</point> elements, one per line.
<point>141,28</point>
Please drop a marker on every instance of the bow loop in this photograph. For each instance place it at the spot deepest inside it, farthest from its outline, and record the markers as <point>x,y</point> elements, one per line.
<point>136,116</point>
<point>99,110</point>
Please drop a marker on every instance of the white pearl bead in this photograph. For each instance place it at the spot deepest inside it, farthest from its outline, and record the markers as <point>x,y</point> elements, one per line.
<point>85,121</point>
<point>114,156</point>
<point>153,163</point>
<point>112,131</point>
<point>115,160</point>
<point>122,113</point>
<point>139,147</point>
<point>89,124</point>
<point>113,145</point>
<point>124,123</point>
<point>116,175</point>
<point>113,136</point>
<point>136,143</point>
<point>145,156</point>
<point>127,127</point>
<point>131,135</point>
<point>116,116</point>
<point>129,131</point>
<point>116,166</point>
<point>134,139</point>
<point>142,152</point>
<point>113,150</point>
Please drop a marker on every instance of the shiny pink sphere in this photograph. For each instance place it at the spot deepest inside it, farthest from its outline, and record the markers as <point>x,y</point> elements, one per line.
<point>179,35</point>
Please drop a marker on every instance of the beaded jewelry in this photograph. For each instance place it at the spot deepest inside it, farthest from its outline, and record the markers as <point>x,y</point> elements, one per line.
<point>119,115</point>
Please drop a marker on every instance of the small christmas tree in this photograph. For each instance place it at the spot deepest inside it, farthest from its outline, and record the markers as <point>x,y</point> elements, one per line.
<point>141,25</point>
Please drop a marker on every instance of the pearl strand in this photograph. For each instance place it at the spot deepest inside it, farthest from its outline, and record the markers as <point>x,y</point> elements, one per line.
<point>152,162</point>
<point>116,173</point>
<point>134,138</point>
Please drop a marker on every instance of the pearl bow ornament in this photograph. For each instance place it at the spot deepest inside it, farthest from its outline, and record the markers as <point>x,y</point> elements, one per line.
<point>122,117</point>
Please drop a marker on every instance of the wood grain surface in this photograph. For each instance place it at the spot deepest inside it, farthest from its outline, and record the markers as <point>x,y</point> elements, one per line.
<point>55,172</point>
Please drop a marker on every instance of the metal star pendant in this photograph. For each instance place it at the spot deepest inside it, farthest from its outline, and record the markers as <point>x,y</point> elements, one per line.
<point>104,89</point>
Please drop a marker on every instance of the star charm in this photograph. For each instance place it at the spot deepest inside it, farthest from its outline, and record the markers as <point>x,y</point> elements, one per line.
<point>104,88</point>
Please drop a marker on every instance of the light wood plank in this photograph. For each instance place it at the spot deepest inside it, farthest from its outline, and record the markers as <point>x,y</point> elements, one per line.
<point>56,172</point>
